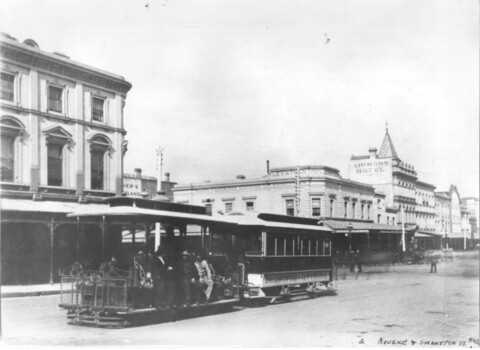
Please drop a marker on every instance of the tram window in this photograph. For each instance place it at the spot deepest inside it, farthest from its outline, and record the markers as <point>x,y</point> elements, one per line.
<point>289,246</point>
<point>271,244</point>
<point>281,245</point>
<point>253,245</point>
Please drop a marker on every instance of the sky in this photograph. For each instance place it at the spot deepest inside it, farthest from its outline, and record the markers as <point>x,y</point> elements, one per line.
<point>223,86</point>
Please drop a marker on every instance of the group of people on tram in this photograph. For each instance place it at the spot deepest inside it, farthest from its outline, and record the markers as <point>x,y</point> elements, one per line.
<point>164,281</point>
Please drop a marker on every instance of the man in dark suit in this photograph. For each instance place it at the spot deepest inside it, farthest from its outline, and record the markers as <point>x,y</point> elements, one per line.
<point>163,280</point>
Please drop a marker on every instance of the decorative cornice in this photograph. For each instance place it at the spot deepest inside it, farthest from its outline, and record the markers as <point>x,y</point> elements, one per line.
<point>24,55</point>
<point>63,119</point>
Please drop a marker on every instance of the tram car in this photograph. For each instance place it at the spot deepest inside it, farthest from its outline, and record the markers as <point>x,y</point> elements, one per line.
<point>285,256</point>
<point>163,259</point>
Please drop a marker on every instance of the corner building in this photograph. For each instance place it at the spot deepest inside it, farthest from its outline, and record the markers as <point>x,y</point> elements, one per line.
<point>352,209</point>
<point>62,146</point>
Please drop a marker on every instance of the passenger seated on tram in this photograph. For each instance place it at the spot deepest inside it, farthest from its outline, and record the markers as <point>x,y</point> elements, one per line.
<point>203,280</point>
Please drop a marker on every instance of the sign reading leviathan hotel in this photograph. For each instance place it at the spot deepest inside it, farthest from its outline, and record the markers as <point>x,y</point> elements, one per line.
<point>372,171</point>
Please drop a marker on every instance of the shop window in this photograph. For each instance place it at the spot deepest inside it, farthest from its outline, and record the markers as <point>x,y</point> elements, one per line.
<point>290,207</point>
<point>97,109</point>
<point>55,98</point>
<point>7,86</point>
<point>315,207</point>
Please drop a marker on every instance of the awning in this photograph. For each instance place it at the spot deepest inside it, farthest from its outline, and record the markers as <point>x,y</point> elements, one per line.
<point>28,205</point>
<point>341,226</point>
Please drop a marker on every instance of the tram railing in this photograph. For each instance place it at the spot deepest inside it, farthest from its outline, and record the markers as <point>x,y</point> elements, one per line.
<point>94,290</point>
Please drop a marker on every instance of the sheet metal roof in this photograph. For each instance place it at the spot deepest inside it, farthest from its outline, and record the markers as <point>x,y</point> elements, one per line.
<point>360,227</point>
<point>28,205</point>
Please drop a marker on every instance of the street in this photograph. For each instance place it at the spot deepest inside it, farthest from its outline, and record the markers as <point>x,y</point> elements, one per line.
<point>405,306</point>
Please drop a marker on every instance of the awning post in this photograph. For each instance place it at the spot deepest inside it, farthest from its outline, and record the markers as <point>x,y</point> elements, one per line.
<point>103,238</point>
<point>52,237</point>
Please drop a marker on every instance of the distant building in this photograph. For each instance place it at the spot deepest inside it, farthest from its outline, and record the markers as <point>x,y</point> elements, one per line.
<point>357,214</point>
<point>62,148</point>
<point>472,206</point>
<point>138,185</point>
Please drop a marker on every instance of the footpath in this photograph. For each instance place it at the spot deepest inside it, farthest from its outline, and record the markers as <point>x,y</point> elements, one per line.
<point>29,290</point>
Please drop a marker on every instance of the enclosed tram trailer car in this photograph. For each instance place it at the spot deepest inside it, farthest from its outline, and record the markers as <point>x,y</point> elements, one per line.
<point>256,256</point>
<point>285,256</point>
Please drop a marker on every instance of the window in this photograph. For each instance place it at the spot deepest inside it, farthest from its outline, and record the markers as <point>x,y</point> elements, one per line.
<point>7,159</point>
<point>353,210</point>
<point>315,206</point>
<point>362,207</point>
<point>97,109</point>
<point>250,206</point>
<point>228,207</point>
<point>7,87</point>
<point>388,220</point>
<point>97,169</point>
<point>55,98</point>
<point>378,218</point>
<point>290,207</point>
<point>208,209</point>
<point>55,165</point>
<point>345,209</point>
<point>393,221</point>
<point>332,205</point>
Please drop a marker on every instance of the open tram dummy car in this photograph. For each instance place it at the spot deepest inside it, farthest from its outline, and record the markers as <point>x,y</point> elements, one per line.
<point>249,255</point>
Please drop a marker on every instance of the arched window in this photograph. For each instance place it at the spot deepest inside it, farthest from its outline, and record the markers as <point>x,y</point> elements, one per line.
<point>100,148</point>
<point>10,131</point>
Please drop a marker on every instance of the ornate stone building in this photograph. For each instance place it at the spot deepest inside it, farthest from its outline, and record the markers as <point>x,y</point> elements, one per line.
<point>62,147</point>
<point>437,218</point>
<point>354,210</point>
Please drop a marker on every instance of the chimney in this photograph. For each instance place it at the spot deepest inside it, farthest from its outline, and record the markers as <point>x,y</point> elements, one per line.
<point>138,172</point>
<point>268,167</point>
<point>167,177</point>
<point>372,152</point>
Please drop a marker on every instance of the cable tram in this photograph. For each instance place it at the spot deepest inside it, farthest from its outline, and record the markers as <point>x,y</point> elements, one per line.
<point>242,257</point>
<point>285,256</point>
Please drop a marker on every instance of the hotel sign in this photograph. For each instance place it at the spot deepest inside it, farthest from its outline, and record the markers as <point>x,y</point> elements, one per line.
<point>371,167</point>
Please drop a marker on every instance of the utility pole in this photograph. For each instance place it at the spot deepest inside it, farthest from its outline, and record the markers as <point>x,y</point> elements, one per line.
<point>159,152</point>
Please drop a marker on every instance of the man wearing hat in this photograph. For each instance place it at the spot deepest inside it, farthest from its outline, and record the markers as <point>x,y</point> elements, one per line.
<point>188,274</point>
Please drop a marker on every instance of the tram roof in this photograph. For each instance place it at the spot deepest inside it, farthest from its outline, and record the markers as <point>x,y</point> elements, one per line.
<point>274,220</point>
<point>144,212</point>
<point>236,218</point>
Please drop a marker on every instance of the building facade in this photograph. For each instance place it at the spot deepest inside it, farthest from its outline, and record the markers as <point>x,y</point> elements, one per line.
<point>62,141</point>
<point>473,208</point>
<point>138,185</point>
<point>358,215</point>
